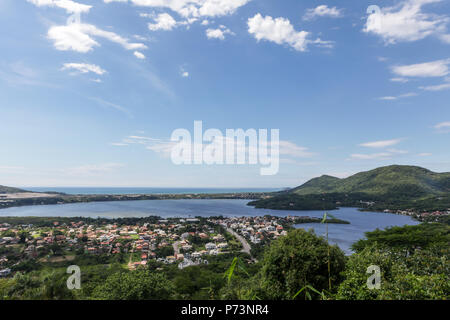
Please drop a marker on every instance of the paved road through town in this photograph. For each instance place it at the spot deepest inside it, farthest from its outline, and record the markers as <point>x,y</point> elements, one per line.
<point>245,245</point>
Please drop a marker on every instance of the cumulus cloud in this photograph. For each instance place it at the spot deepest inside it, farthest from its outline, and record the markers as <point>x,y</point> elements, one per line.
<point>78,37</point>
<point>163,21</point>
<point>218,33</point>
<point>83,68</point>
<point>405,22</point>
<point>68,5</point>
<point>192,8</point>
<point>281,31</point>
<point>322,11</point>
<point>139,55</point>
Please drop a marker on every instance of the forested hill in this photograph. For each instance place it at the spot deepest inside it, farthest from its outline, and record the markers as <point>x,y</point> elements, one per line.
<point>392,187</point>
<point>391,179</point>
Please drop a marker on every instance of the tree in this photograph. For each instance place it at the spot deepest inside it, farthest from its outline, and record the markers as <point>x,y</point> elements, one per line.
<point>136,285</point>
<point>422,275</point>
<point>297,260</point>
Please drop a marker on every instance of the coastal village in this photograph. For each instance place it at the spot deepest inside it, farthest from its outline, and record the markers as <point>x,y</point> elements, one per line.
<point>421,215</point>
<point>184,242</point>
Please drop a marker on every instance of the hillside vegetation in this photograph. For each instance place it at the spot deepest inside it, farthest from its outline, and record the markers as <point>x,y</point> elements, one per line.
<point>4,189</point>
<point>397,179</point>
<point>393,187</point>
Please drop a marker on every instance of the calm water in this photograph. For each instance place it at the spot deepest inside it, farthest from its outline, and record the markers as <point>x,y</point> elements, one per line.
<point>342,234</point>
<point>99,190</point>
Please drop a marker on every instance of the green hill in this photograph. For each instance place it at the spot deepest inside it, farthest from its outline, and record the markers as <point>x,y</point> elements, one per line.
<point>4,189</point>
<point>407,180</point>
<point>393,187</point>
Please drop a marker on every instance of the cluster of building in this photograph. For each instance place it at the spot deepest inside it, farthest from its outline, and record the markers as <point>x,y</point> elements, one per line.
<point>255,229</point>
<point>420,215</point>
<point>146,240</point>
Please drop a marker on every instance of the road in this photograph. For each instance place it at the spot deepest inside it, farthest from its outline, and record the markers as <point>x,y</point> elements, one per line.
<point>245,245</point>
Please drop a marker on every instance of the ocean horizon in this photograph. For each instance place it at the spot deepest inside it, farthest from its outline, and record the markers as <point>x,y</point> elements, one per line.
<point>146,190</point>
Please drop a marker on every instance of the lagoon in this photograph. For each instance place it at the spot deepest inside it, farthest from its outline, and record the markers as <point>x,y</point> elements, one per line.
<point>341,234</point>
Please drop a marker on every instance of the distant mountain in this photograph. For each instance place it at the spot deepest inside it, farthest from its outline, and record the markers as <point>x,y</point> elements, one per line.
<point>407,180</point>
<point>393,187</point>
<point>4,189</point>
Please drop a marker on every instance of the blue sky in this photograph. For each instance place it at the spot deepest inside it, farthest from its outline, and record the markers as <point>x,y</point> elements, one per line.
<point>93,102</point>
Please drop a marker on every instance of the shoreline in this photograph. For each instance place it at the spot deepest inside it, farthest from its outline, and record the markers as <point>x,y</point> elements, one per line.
<point>27,199</point>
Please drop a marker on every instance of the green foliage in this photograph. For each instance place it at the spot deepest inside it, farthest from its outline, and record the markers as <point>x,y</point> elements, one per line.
<point>164,251</point>
<point>197,282</point>
<point>422,275</point>
<point>393,187</point>
<point>407,238</point>
<point>297,260</point>
<point>407,180</point>
<point>137,285</point>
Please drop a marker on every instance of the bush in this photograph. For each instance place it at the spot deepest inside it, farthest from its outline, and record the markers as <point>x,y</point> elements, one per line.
<point>297,260</point>
<point>137,285</point>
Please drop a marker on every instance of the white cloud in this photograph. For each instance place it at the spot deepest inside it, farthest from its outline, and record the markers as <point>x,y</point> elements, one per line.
<point>68,5</point>
<point>381,155</point>
<point>438,87</point>
<point>381,143</point>
<point>218,33</point>
<point>192,8</point>
<point>163,21</point>
<point>184,73</point>
<point>425,154</point>
<point>403,80</point>
<point>442,125</point>
<point>118,144</point>
<point>322,11</point>
<point>280,31</point>
<point>401,96</point>
<point>83,68</point>
<point>438,68</point>
<point>139,55</point>
<point>164,146</point>
<point>405,22</point>
<point>291,149</point>
<point>78,37</point>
